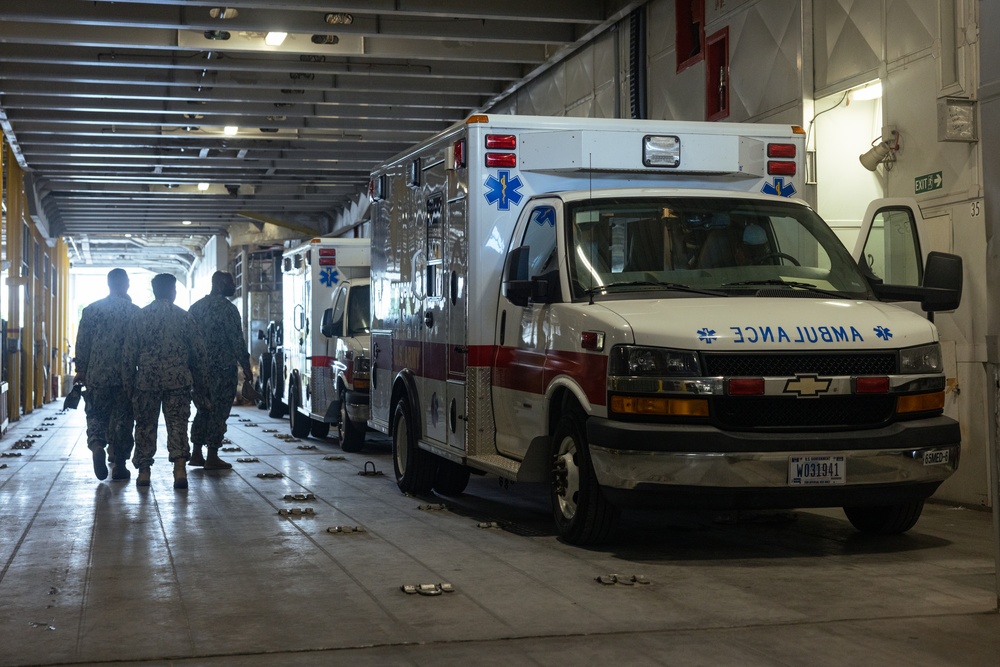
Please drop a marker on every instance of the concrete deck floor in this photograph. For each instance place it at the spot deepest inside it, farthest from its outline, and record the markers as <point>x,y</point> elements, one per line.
<point>106,573</point>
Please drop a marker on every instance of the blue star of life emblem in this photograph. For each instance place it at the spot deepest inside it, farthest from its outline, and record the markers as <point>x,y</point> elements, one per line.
<point>329,277</point>
<point>707,335</point>
<point>779,188</point>
<point>502,190</point>
<point>544,215</point>
<point>883,333</point>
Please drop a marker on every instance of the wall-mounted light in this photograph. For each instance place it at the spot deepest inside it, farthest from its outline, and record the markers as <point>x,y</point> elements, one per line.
<point>882,152</point>
<point>872,91</point>
<point>275,38</point>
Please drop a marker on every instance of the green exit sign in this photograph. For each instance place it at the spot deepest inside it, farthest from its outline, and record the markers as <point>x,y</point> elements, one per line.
<point>928,182</point>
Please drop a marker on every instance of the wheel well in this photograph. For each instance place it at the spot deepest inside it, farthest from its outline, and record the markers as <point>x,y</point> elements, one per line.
<point>404,389</point>
<point>561,402</point>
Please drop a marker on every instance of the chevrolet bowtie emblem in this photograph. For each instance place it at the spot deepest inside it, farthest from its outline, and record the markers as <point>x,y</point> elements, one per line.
<point>807,386</point>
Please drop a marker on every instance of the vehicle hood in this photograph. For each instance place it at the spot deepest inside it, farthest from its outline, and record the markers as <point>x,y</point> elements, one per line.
<point>766,323</point>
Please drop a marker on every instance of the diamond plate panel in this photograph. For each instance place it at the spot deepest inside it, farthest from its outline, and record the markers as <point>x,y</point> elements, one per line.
<point>321,389</point>
<point>481,430</point>
<point>847,38</point>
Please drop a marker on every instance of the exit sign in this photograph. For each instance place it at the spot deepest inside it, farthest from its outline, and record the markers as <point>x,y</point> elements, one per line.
<point>927,183</point>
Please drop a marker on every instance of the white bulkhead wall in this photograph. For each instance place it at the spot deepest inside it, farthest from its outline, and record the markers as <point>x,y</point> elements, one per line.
<point>782,57</point>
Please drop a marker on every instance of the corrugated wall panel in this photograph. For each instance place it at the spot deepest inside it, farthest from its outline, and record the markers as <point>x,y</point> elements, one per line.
<point>912,27</point>
<point>765,47</point>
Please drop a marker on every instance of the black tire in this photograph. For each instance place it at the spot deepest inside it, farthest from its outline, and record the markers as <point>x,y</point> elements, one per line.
<point>318,430</point>
<point>260,384</point>
<point>582,514</point>
<point>298,423</point>
<point>414,468</point>
<point>451,478</point>
<point>351,434</point>
<point>276,408</point>
<point>885,519</point>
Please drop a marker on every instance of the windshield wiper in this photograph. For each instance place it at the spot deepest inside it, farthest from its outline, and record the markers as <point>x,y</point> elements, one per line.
<point>785,283</point>
<point>680,287</point>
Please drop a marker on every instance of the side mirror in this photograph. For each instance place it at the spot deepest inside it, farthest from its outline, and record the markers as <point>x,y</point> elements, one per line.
<point>942,282</point>
<point>326,328</point>
<point>516,285</point>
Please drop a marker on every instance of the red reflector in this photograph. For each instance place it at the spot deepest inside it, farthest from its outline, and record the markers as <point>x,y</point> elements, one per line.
<point>781,150</point>
<point>592,340</point>
<point>780,168</point>
<point>501,159</point>
<point>459,151</point>
<point>873,385</point>
<point>746,386</point>
<point>507,142</point>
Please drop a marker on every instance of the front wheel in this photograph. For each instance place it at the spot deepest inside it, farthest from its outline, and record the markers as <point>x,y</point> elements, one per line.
<point>414,468</point>
<point>885,519</point>
<point>582,514</point>
<point>351,434</point>
<point>298,423</point>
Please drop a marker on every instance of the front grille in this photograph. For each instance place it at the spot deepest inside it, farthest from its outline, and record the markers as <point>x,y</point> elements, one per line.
<point>788,365</point>
<point>746,413</point>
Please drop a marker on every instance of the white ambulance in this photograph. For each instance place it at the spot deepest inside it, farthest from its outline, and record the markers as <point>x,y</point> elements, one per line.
<point>324,356</point>
<point>641,313</point>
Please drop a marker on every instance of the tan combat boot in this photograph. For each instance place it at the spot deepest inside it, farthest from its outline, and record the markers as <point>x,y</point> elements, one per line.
<point>143,478</point>
<point>213,462</point>
<point>180,474</point>
<point>196,458</point>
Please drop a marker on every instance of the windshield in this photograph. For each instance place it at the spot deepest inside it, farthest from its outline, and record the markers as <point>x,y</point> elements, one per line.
<point>706,243</point>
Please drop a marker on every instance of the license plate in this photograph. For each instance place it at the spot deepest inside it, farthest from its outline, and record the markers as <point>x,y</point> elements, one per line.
<point>816,470</point>
<point>934,457</point>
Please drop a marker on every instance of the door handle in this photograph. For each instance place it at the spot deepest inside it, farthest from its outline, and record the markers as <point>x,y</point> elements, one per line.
<point>429,318</point>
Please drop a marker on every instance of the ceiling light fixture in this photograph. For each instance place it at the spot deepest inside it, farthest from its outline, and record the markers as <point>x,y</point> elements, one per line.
<point>203,186</point>
<point>872,91</point>
<point>185,222</point>
<point>223,13</point>
<point>275,38</point>
<point>339,19</point>
<point>230,130</point>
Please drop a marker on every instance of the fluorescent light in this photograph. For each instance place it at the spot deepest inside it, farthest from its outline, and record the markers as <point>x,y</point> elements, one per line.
<point>185,222</point>
<point>870,92</point>
<point>230,130</point>
<point>203,186</point>
<point>275,38</point>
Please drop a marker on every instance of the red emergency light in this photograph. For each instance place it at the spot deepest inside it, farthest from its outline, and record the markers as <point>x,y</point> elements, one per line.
<point>781,150</point>
<point>871,385</point>
<point>746,386</point>
<point>459,152</point>
<point>780,168</point>
<point>504,142</point>
<point>501,159</point>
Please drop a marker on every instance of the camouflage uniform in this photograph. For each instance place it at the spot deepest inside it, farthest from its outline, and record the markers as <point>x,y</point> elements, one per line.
<point>222,329</point>
<point>99,342</point>
<point>164,357</point>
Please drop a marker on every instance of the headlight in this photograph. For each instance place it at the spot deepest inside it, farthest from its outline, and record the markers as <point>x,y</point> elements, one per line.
<point>923,359</point>
<point>362,365</point>
<point>633,360</point>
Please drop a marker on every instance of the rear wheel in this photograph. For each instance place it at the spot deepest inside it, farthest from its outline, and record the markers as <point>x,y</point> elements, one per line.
<point>351,434</point>
<point>262,381</point>
<point>885,519</point>
<point>298,423</point>
<point>319,429</point>
<point>414,467</point>
<point>451,478</point>
<point>276,407</point>
<point>582,514</point>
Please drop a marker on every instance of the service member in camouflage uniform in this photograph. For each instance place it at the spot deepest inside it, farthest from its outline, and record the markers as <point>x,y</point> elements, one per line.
<point>163,359</point>
<point>99,341</point>
<point>222,329</point>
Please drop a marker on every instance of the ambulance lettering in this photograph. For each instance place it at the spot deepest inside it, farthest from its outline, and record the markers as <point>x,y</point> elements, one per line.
<point>802,335</point>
